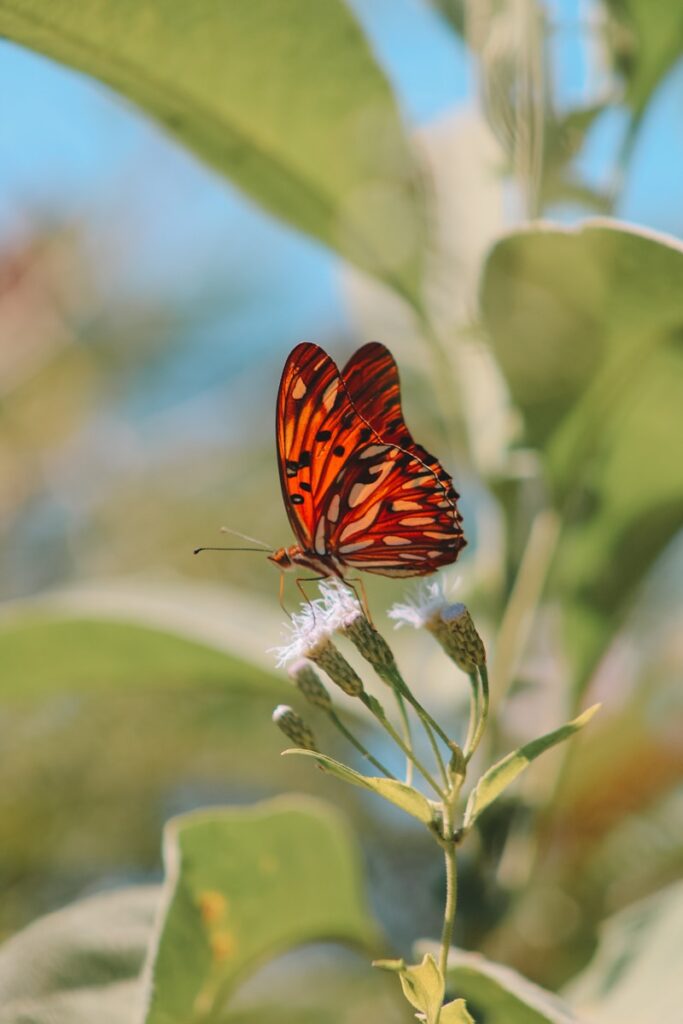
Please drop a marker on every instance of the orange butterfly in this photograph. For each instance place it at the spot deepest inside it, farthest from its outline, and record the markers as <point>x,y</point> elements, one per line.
<point>359,492</point>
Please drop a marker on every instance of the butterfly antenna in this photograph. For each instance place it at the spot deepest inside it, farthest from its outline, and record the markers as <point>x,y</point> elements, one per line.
<point>245,536</point>
<point>198,550</point>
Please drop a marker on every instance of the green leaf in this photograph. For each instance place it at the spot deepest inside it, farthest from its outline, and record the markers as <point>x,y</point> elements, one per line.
<point>242,886</point>
<point>501,775</point>
<point>286,100</point>
<point>46,653</point>
<point>631,978</point>
<point>456,1013</point>
<point>422,984</point>
<point>79,964</point>
<point>500,995</point>
<point>587,327</point>
<point>644,37</point>
<point>408,799</point>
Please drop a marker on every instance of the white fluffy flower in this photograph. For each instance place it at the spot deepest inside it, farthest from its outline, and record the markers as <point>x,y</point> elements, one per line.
<point>307,631</point>
<point>340,605</point>
<point>427,603</point>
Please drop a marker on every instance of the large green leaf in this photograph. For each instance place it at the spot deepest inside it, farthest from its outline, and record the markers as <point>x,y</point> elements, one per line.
<point>588,328</point>
<point>81,963</point>
<point>635,977</point>
<point>243,885</point>
<point>498,995</point>
<point>286,99</point>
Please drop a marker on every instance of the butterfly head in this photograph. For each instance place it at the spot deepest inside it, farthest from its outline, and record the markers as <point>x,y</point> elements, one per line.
<point>282,558</point>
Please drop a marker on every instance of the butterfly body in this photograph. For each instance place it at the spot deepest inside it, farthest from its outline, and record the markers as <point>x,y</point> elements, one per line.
<point>359,492</point>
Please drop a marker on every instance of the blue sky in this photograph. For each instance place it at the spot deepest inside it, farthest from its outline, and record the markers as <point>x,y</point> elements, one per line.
<point>67,145</point>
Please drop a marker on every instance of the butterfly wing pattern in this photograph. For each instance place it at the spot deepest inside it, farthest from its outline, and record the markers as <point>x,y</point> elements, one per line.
<point>359,492</point>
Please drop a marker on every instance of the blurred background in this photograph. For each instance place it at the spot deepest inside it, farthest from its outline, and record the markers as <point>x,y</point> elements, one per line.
<point>146,310</point>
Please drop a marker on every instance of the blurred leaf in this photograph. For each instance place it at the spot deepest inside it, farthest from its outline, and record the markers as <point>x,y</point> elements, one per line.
<point>81,963</point>
<point>587,326</point>
<point>422,984</point>
<point>635,976</point>
<point>408,799</point>
<point>287,100</point>
<point>244,885</point>
<point>494,781</point>
<point>498,995</point>
<point>49,654</point>
<point>644,37</point>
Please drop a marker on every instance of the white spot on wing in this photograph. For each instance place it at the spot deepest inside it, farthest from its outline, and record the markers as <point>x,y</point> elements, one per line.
<point>396,541</point>
<point>417,521</point>
<point>405,506</point>
<point>372,450</point>
<point>348,548</point>
<point>363,523</point>
<point>333,510</point>
<point>299,389</point>
<point>330,394</point>
<point>320,537</point>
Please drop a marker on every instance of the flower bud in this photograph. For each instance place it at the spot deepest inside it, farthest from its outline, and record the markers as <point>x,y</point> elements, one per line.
<point>294,727</point>
<point>369,643</point>
<point>332,661</point>
<point>310,685</point>
<point>454,629</point>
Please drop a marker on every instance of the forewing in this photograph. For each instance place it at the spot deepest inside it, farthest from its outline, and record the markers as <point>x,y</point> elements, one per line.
<point>317,429</point>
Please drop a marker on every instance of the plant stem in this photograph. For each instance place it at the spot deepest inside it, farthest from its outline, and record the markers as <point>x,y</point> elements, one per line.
<point>359,746</point>
<point>407,735</point>
<point>376,709</point>
<point>451,887</point>
<point>393,677</point>
<point>475,740</point>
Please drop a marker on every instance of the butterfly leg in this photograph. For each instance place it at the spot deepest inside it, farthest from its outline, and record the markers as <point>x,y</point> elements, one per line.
<point>282,596</point>
<point>362,598</point>
<point>307,579</point>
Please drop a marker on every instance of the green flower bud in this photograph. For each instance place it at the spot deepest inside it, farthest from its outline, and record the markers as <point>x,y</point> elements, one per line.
<point>369,643</point>
<point>454,629</point>
<point>309,683</point>
<point>294,727</point>
<point>332,661</point>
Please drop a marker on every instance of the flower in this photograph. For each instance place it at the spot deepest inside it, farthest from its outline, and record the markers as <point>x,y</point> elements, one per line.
<point>310,634</point>
<point>340,605</point>
<point>421,609</point>
<point>308,630</point>
<point>308,682</point>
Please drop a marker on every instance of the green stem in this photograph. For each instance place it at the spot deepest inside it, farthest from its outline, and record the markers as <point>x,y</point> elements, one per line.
<point>407,735</point>
<point>475,703</point>
<point>393,677</point>
<point>359,746</point>
<point>483,717</point>
<point>451,888</point>
<point>376,709</point>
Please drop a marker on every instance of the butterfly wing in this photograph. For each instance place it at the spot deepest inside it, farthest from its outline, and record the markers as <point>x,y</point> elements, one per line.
<point>317,429</point>
<point>397,511</point>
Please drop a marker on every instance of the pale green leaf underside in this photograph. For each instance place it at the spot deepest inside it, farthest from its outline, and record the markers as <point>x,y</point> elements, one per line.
<point>502,774</point>
<point>244,885</point>
<point>285,99</point>
<point>455,1013</point>
<point>587,325</point>
<point>423,984</point>
<point>408,799</point>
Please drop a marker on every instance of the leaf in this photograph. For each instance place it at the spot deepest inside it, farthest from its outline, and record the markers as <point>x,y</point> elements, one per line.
<point>588,328</point>
<point>644,37</point>
<point>501,775</point>
<point>408,799</point>
<point>455,1013</point>
<point>242,886</point>
<point>635,974</point>
<point>286,100</point>
<point>500,995</point>
<point>81,963</point>
<point>42,653</point>
<point>422,984</point>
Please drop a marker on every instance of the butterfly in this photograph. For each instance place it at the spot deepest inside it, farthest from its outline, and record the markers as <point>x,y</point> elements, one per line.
<point>359,492</point>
